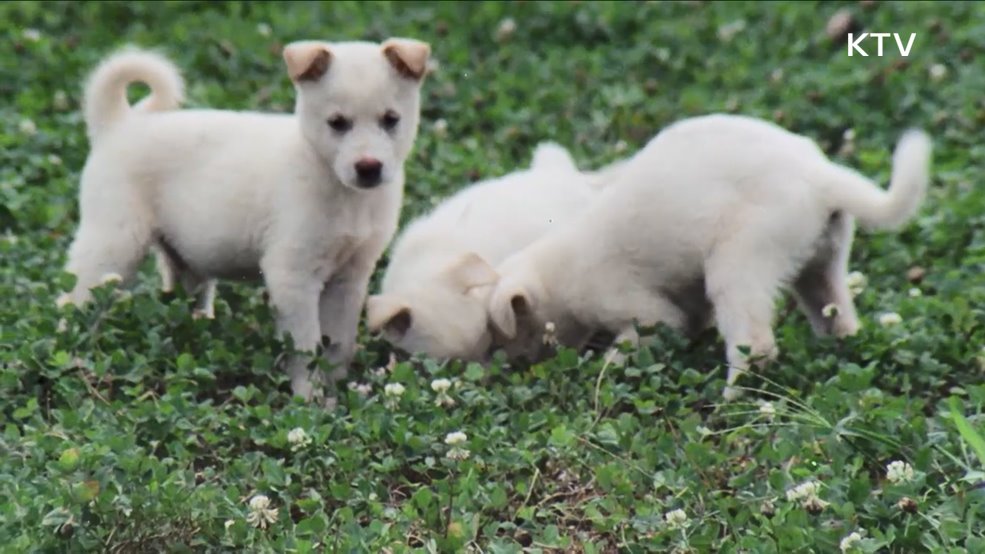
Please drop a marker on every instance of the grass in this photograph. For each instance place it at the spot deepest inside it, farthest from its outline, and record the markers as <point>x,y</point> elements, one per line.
<point>139,429</point>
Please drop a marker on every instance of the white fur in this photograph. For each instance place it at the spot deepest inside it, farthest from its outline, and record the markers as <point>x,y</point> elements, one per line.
<point>709,220</point>
<point>243,194</point>
<point>434,293</point>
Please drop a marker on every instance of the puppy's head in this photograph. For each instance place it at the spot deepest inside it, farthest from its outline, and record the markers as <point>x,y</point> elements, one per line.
<point>358,104</point>
<point>443,318</point>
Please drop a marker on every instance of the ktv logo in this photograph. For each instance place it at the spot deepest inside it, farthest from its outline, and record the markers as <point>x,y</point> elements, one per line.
<point>855,43</point>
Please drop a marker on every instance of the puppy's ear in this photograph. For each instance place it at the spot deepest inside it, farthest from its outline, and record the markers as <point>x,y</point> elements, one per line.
<point>471,271</point>
<point>307,60</point>
<point>389,315</point>
<point>408,56</point>
<point>506,306</point>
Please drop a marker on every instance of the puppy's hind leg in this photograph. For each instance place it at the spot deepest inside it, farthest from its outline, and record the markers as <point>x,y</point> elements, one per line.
<point>742,289</point>
<point>166,268</point>
<point>107,246</point>
<point>820,287</point>
<point>205,303</point>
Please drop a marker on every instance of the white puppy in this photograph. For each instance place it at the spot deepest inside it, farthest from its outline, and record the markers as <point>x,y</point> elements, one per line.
<point>308,201</point>
<point>434,293</point>
<point>710,219</point>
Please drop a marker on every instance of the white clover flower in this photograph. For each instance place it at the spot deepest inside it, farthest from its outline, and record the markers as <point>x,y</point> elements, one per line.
<point>767,410</point>
<point>937,71</point>
<point>899,472</point>
<point>60,100</point>
<point>440,385</point>
<point>456,438</point>
<point>506,29</point>
<point>621,146</point>
<point>849,542</point>
<point>440,128</point>
<point>776,75</point>
<point>829,311</point>
<point>803,490</point>
<point>110,278</point>
<point>848,136</point>
<point>228,523</point>
<point>394,390</point>
<point>28,127</point>
<point>676,519</point>
<point>807,494</point>
<point>298,438</point>
<point>856,282</point>
<point>53,159</point>
<point>264,29</point>
<point>728,31</point>
<point>362,389</point>
<point>889,319</point>
<point>432,65</point>
<point>915,292</point>
<point>32,35</point>
<point>261,514</point>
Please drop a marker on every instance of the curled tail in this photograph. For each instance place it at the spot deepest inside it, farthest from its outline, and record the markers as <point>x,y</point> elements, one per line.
<point>106,90</point>
<point>871,205</point>
<point>553,155</point>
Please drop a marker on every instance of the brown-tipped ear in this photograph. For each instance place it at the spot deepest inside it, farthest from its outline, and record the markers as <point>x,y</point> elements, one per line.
<point>408,56</point>
<point>470,271</point>
<point>307,60</point>
<point>505,307</point>
<point>389,315</point>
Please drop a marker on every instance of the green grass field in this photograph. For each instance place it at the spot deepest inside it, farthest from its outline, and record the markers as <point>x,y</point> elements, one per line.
<point>135,428</point>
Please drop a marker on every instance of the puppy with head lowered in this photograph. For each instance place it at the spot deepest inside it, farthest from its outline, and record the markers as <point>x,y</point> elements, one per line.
<point>708,222</point>
<point>437,282</point>
<point>307,202</point>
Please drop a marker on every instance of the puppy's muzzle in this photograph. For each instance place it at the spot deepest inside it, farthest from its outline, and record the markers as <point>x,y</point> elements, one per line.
<point>369,172</point>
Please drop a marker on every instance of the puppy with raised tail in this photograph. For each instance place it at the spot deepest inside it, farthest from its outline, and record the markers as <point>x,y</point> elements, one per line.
<point>307,201</point>
<point>437,282</point>
<point>709,221</point>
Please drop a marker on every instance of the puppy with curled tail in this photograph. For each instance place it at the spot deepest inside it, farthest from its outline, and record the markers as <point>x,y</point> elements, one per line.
<point>707,224</point>
<point>307,201</point>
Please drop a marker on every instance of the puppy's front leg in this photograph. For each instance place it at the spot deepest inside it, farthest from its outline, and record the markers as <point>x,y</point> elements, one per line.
<point>294,296</point>
<point>339,307</point>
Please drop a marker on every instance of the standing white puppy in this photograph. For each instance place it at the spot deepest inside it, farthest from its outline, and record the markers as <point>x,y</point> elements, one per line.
<point>308,201</point>
<point>710,219</point>
<point>434,294</point>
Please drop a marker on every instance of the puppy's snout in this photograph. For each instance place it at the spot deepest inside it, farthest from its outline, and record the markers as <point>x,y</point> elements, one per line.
<point>369,171</point>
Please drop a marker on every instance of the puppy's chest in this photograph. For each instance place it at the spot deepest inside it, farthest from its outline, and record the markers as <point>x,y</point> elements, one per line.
<point>344,234</point>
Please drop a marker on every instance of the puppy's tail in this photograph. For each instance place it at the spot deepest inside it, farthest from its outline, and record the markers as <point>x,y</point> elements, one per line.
<point>106,90</point>
<point>871,205</point>
<point>553,155</point>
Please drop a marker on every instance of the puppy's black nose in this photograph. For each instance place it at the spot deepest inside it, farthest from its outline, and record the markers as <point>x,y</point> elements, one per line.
<point>369,171</point>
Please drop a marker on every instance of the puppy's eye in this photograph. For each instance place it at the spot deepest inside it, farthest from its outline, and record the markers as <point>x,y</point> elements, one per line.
<point>389,120</point>
<point>339,123</point>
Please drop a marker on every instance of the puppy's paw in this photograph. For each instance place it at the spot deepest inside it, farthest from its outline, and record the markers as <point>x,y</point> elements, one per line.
<point>615,358</point>
<point>64,299</point>
<point>731,393</point>
<point>845,326</point>
<point>203,314</point>
<point>330,403</point>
